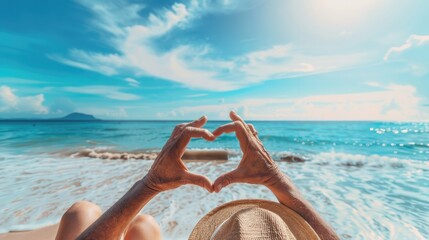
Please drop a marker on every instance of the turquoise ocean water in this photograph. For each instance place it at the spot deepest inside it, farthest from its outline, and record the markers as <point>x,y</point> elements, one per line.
<point>370,180</point>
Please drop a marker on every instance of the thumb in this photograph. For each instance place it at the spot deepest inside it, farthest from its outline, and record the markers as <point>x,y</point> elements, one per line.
<point>226,179</point>
<point>199,180</point>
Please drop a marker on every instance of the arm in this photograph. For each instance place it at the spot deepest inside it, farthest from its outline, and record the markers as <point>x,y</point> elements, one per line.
<point>113,222</point>
<point>167,172</point>
<point>288,195</point>
<point>257,167</point>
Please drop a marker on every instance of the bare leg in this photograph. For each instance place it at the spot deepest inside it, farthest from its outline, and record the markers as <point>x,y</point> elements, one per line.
<point>82,214</point>
<point>143,227</point>
<point>76,219</point>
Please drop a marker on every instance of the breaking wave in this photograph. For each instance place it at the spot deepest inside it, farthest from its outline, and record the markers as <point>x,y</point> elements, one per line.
<point>322,159</point>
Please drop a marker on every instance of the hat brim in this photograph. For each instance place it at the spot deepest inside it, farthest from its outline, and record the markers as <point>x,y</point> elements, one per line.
<point>211,221</point>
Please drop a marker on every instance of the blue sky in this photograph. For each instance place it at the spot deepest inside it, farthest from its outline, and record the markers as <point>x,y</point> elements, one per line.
<point>279,59</point>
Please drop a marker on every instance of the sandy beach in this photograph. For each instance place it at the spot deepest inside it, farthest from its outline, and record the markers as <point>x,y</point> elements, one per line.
<point>45,233</point>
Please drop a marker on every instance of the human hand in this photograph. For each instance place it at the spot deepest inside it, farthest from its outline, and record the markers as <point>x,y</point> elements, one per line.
<point>168,170</point>
<point>256,166</point>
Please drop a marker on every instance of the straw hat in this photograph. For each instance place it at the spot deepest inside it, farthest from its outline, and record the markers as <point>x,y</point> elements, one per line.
<point>252,219</point>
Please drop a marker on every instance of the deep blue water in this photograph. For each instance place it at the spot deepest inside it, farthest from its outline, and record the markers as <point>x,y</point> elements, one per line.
<point>400,140</point>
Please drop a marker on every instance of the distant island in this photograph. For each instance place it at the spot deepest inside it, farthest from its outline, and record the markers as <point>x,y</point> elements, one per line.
<point>70,117</point>
<point>78,117</point>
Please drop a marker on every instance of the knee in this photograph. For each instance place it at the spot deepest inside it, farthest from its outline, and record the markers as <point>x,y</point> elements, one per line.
<point>82,209</point>
<point>145,221</point>
<point>143,227</point>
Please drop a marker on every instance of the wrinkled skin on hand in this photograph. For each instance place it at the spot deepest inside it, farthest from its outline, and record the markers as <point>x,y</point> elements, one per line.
<point>256,166</point>
<point>168,170</point>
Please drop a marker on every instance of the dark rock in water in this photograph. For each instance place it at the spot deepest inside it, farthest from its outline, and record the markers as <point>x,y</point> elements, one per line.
<point>291,159</point>
<point>78,117</point>
<point>353,164</point>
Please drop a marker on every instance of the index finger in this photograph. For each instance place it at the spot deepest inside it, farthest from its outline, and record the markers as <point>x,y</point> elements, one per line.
<point>240,132</point>
<point>235,117</point>
<point>181,127</point>
<point>198,123</point>
<point>192,132</point>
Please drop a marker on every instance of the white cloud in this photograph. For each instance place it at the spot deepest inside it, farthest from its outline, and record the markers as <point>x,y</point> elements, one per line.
<point>373,84</point>
<point>132,82</point>
<point>200,7</point>
<point>391,102</point>
<point>107,64</point>
<point>196,95</point>
<point>133,43</point>
<point>113,16</point>
<point>275,62</point>
<point>412,41</point>
<point>10,102</point>
<point>283,61</point>
<point>105,91</point>
<point>191,65</point>
<point>413,53</point>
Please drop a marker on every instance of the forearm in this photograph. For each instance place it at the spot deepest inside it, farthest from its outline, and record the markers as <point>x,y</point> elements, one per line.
<point>114,221</point>
<point>288,195</point>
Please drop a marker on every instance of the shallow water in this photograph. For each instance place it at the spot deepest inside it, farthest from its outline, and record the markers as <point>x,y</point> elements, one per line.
<point>370,180</point>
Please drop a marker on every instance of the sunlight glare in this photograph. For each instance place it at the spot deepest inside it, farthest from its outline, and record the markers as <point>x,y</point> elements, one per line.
<point>339,13</point>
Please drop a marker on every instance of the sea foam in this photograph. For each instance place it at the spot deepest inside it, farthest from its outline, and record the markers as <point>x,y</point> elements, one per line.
<point>375,199</point>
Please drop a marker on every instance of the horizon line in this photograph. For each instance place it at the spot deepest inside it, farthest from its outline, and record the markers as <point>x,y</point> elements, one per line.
<point>190,120</point>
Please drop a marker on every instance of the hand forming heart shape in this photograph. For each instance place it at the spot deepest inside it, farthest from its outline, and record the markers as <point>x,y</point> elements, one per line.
<point>168,170</point>
<point>256,167</point>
